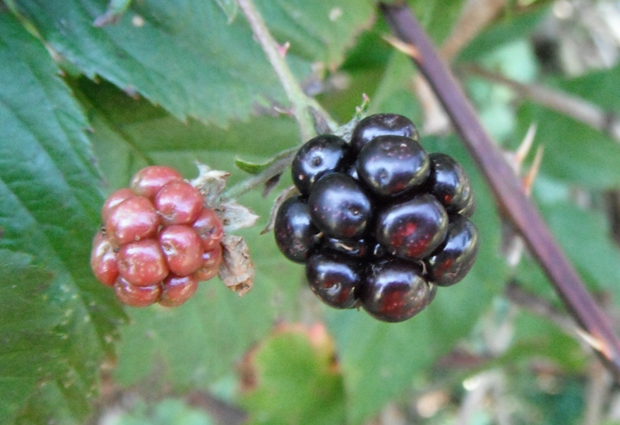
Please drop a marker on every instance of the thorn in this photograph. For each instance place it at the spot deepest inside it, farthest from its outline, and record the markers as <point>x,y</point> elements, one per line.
<point>422,264</point>
<point>132,92</point>
<point>525,146</point>
<point>594,342</point>
<point>408,49</point>
<point>283,49</point>
<point>279,110</point>
<point>271,184</point>
<point>528,180</point>
<point>361,109</point>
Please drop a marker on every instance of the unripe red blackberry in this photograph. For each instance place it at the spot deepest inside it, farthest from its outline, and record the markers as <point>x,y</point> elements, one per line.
<point>113,200</point>
<point>178,202</point>
<point>182,248</point>
<point>142,263</point>
<point>103,260</point>
<point>148,181</point>
<point>131,220</point>
<point>209,228</point>
<point>211,261</point>
<point>158,240</point>
<point>136,296</point>
<point>176,290</point>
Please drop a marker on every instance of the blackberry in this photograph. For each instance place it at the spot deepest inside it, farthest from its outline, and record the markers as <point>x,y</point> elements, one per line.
<point>296,236</point>
<point>379,223</point>
<point>158,240</point>
<point>382,125</point>
<point>394,290</point>
<point>413,229</point>
<point>340,207</point>
<point>318,156</point>
<point>333,277</point>
<point>454,258</point>
<point>392,165</point>
<point>449,183</point>
<point>358,248</point>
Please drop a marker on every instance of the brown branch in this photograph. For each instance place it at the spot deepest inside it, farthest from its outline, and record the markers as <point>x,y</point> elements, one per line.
<point>540,307</point>
<point>506,187</point>
<point>573,106</point>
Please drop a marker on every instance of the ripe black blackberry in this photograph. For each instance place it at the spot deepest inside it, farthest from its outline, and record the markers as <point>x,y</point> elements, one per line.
<point>379,223</point>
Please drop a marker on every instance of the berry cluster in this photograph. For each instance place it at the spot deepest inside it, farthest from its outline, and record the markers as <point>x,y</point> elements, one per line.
<point>379,222</point>
<point>158,240</point>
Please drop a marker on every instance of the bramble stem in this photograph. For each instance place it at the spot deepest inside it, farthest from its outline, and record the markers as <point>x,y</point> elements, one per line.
<point>507,189</point>
<point>302,105</point>
<point>298,99</point>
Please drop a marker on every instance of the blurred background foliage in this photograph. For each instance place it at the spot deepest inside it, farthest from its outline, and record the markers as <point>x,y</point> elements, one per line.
<point>83,107</point>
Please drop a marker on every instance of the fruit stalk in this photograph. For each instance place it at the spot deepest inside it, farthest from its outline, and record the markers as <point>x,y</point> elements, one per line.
<point>250,183</point>
<point>506,187</point>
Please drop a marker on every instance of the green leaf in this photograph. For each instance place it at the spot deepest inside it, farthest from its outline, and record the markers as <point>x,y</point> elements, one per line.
<point>381,360</point>
<point>395,91</point>
<point>317,31</point>
<point>596,257</point>
<point>24,317</point>
<point>584,236</point>
<point>600,87</point>
<point>372,67</point>
<point>229,7</point>
<point>509,29</point>
<point>115,10</point>
<point>294,380</point>
<point>216,327</point>
<point>129,134</point>
<point>166,412</point>
<point>437,17</point>
<point>574,152</point>
<point>185,55</point>
<point>545,339</point>
<point>49,202</point>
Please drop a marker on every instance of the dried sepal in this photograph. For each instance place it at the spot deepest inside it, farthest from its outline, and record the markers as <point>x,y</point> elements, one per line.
<point>361,111</point>
<point>235,216</point>
<point>210,183</point>
<point>237,269</point>
<point>271,184</point>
